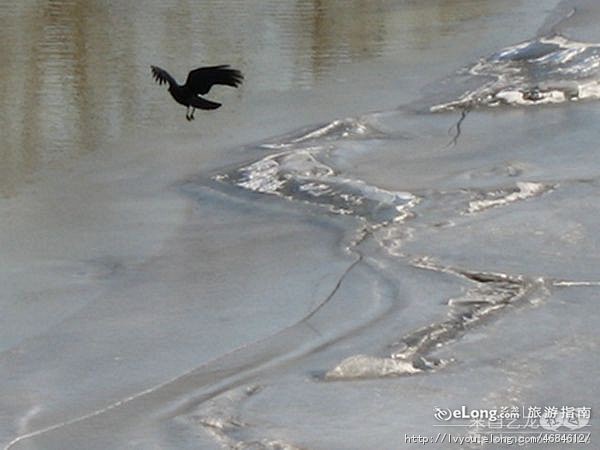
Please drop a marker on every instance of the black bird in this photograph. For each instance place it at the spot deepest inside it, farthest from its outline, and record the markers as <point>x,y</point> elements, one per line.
<point>199,82</point>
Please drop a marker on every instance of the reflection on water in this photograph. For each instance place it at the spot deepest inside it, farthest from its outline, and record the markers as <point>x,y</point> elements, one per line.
<point>74,73</point>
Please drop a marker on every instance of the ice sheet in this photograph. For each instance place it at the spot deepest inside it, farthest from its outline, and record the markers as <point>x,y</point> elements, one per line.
<point>323,280</point>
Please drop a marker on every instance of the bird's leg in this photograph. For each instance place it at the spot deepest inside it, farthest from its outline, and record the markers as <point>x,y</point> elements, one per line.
<point>192,115</point>
<point>187,114</point>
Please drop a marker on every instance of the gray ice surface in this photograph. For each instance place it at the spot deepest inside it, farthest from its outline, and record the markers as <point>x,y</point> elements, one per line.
<point>370,241</point>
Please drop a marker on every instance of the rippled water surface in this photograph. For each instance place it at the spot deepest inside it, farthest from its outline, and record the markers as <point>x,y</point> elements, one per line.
<point>75,74</point>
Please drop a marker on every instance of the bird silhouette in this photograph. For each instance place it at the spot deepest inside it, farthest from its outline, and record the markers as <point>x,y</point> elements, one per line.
<point>199,81</point>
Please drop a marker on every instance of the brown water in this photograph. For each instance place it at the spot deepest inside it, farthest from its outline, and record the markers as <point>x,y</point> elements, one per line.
<point>75,74</point>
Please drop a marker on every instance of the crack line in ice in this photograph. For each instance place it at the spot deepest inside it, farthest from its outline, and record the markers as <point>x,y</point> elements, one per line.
<point>299,175</point>
<point>191,372</point>
<point>85,416</point>
<point>303,322</point>
<point>492,292</point>
<point>463,115</point>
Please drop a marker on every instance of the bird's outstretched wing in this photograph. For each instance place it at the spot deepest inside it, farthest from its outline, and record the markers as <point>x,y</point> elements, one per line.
<point>162,76</point>
<point>199,81</point>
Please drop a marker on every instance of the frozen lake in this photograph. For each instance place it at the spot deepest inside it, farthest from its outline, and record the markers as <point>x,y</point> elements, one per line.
<point>394,216</point>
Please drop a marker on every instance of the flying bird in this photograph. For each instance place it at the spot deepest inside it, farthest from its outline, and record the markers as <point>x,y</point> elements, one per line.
<point>199,81</point>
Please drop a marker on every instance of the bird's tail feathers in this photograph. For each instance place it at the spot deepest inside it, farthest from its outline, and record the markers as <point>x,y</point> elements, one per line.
<point>202,103</point>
